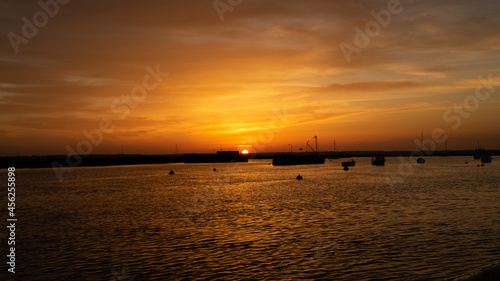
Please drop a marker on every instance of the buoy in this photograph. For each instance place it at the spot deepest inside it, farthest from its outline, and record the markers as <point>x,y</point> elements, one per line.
<point>478,165</point>
<point>171,172</point>
<point>215,169</point>
<point>299,177</point>
<point>466,162</point>
<point>346,168</point>
<point>482,165</point>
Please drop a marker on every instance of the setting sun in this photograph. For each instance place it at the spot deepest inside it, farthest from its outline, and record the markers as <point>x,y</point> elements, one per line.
<point>244,152</point>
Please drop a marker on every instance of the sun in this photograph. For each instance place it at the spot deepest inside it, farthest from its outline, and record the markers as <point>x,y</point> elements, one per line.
<point>244,152</point>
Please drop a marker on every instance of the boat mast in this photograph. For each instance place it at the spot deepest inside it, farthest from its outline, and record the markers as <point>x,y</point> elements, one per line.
<point>422,142</point>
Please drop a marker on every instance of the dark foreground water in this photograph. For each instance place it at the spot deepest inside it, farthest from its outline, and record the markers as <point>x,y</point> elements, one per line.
<point>253,221</point>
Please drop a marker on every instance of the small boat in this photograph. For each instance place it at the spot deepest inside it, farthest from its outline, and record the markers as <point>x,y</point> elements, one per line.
<point>351,163</point>
<point>421,159</point>
<point>479,152</point>
<point>445,153</point>
<point>378,161</point>
<point>171,172</point>
<point>335,154</point>
<point>485,158</point>
<point>299,177</point>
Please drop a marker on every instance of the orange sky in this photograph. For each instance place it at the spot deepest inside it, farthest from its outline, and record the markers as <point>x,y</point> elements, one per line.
<point>272,73</point>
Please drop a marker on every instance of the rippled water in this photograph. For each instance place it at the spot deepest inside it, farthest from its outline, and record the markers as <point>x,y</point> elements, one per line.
<point>255,221</point>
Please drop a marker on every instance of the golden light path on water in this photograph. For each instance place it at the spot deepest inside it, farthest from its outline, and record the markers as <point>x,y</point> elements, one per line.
<point>256,221</point>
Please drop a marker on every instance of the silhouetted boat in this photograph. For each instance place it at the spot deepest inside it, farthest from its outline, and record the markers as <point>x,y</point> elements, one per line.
<point>485,158</point>
<point>445,153</point>
<point>300,158</point>
<point>378,161</point>
<point>335,154</point>
<point>171,172</point>
<point>479,152</point>
<point>220,157</point>
<point>351,163</point>
<point>421,159</point>
<point>299,177</point>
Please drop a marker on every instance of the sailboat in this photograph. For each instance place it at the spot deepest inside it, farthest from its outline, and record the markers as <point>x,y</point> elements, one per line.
<point>479,152</point>
<point>445,154</point>
<point>421,159</point>
<point>335,154</point>
<point>484,155</point>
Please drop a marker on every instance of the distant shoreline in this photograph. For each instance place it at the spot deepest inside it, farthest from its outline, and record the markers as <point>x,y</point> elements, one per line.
<point>48,161</point>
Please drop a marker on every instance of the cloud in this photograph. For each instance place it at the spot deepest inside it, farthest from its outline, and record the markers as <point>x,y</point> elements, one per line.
<point>265,55</point>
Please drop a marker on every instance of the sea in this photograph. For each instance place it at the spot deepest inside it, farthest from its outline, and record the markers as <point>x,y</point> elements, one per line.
<point>254,221</point>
